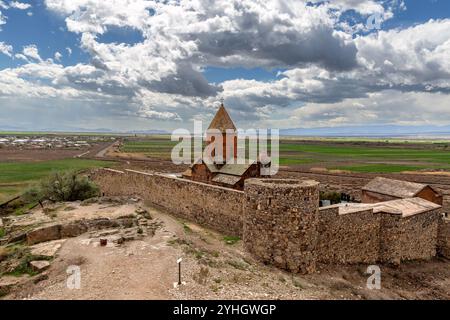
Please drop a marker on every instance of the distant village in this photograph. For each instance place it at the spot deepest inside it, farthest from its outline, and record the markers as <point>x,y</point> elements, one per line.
<point>51,142</point>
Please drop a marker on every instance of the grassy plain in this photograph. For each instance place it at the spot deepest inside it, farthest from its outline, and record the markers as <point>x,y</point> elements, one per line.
<point>358,155</point>
<point>17,176</point>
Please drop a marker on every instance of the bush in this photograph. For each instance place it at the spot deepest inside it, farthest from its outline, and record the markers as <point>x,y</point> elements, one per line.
<point>334,197</point>
<point>67,186</point>
<point>32,195</point>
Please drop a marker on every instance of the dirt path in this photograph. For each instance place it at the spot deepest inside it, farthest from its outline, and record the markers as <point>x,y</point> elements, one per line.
<point>102,153</point>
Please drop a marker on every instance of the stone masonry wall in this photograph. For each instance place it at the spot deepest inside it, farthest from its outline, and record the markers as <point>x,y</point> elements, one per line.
<point>348,238</point>
<point>444,238</point>
<point>212,206</point>
<point>280,220</point>
<point>280,225</point>
<point>408,238</point>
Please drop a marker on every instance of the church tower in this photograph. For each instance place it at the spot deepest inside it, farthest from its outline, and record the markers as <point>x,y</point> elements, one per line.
<point>222,122</point>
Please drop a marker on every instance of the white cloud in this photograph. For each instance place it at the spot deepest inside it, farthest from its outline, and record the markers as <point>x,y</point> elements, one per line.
<point>21,57</point>
<point>6,49</point>
<point>31,51</point>
<point>95,16</point>
<point>383,108</point>
<point>329,77</point>
<point>416,56</point>
<point>19,5</point>
<point>363,7</point>
<point>2,20</point>
<point>58,56</point>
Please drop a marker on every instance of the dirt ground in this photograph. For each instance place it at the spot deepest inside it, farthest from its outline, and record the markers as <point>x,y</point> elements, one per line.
<point>27,155</point>
<point>213,268</point>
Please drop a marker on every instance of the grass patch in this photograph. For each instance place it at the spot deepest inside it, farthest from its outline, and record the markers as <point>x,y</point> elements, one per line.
<point>2,232</point>
<point>153,147</point>
<point>382,153</point>
<point>186,228</point>
<point>198,254</point>
<point>24,209</point>
<point>22,254</point>
<point>32,171</point>
<point>286,161</point>
<point>380,168</point>
<point>16,177</point>
<point>21,269</point>
<point>231,240</point>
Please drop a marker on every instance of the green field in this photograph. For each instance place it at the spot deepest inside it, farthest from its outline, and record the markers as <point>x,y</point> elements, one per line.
<point>356,155</point>
<point>343,153</point>
<point>15,177</point>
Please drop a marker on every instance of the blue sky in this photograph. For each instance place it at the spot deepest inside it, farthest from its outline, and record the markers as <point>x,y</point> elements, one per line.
<point>151,65</point>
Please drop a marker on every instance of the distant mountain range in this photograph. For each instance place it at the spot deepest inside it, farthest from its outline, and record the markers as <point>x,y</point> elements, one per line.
<point>349,131</point>
<point>81,130</point>
<point>369,131</point>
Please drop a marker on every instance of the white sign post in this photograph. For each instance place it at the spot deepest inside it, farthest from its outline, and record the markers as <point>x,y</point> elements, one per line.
<point>179,271</point>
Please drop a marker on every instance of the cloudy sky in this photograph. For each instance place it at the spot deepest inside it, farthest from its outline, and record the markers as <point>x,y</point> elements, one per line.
<point>146,64</point>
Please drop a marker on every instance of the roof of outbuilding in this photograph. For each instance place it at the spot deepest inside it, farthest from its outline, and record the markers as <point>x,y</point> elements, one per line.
<point>222,120</point>
<point>403,207</point>
<point>395,188</point>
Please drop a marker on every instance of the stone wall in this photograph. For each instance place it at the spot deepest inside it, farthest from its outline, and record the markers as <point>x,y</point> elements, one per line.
<point>444,238</point>
<point>348,238</point>
<point>212,206</point>
<point>280,220</point>
<point>408,238</point>
<point>367,237</point>
<point>280,225</point>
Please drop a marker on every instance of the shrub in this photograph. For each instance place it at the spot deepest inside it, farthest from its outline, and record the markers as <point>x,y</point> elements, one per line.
<point>67,186</point>
<point>334,197</point>
<point>31,195</point>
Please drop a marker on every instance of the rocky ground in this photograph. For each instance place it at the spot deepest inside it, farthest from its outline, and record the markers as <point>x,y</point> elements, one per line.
<point>138,260</point>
